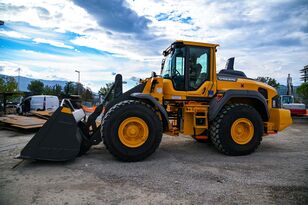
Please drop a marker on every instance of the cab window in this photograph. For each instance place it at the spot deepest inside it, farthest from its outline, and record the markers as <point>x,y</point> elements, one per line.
<point>198,67</point>
<point>174,68</point>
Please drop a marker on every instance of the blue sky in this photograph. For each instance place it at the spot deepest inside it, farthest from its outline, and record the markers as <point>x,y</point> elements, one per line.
<point>52,39</point>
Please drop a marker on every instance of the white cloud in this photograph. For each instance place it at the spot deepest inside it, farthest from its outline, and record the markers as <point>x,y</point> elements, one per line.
<point>14,34</point>
<point>53,43</point>
<point>62,15</point>
<point>267,38</point>
<point>95,70</point>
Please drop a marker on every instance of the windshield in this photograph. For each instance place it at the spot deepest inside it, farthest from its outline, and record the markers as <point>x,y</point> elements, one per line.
<point>166,69</point>
<point>174,63</point>
<point>174,67</point>
<point>287,99</point>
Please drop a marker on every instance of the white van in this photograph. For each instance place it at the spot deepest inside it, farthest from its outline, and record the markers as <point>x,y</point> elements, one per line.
<point>38,103</point>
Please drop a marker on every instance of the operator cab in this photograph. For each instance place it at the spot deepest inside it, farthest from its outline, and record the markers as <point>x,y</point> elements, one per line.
<point>287,99</point>
<point>187,65</point>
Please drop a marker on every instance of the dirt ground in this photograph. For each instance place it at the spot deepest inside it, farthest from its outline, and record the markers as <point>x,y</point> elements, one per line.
<point>181,171</point>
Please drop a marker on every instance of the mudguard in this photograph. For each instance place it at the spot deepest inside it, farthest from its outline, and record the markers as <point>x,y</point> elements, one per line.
<point>154,103</point>
<point>217,104</point>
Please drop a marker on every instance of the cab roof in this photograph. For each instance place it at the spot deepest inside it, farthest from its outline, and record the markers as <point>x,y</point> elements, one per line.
<point>194,43</point>
<point>191,43</point>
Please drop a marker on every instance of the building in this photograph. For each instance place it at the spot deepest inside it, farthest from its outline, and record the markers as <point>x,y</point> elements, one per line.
<point>304,74</point>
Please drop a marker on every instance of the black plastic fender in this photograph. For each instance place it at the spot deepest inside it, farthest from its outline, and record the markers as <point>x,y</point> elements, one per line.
<point>217,104</point>
<point>154,103</point>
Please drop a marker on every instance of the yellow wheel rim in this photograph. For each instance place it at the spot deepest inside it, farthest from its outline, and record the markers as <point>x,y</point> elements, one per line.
<point>133,132</point>
<point>242,131</point>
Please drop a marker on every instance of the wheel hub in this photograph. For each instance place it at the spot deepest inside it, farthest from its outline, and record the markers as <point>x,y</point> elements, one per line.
<point>242,131</point>
<point>133,132</point>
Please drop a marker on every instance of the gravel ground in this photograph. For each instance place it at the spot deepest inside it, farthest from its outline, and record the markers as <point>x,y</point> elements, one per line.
<point>181,171</point>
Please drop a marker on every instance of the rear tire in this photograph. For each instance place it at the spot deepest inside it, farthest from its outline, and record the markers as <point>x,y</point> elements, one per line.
<point>143,120</point>
<point>237,129</point>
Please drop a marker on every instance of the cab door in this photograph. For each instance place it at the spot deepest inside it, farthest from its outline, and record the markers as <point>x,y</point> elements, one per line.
<point>174,74</point>
<point>187,73</point>
<point>198,72</point>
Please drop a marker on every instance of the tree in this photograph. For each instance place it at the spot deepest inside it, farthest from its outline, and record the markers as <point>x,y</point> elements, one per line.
<point>57,89</point>
<point>70,88</point>
<point>270,81</point>
<point>52,90</point>
<point>104,90</point>
<point>8,84</point>
<point>36,87</point>
<point>87,95</point>
<point>48,90</point>
<point>302,91</point>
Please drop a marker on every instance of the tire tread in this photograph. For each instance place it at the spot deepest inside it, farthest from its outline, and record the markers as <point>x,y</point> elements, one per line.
<point>216,126</point>
<point>107,117</point>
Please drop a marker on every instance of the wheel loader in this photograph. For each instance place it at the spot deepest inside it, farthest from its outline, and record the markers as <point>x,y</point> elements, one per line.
<point>188,97</point>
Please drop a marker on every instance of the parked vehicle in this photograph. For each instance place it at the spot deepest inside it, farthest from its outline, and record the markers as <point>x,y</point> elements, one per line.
<point>287,102</point>
<point>11,108</point>
<point>38,103</point>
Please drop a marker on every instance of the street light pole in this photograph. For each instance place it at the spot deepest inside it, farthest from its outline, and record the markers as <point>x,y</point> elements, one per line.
<point>77,71</point>
<point>18,79</point>
<point>78,88</point>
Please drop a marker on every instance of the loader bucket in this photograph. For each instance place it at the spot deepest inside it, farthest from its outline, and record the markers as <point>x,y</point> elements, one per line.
<point>58,140</point>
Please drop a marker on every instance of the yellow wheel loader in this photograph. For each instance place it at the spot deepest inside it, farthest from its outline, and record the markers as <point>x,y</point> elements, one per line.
<point>188,97</point>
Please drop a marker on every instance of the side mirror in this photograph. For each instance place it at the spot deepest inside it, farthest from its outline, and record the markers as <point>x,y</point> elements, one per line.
<point>162,65</point>
<point>153,74</point>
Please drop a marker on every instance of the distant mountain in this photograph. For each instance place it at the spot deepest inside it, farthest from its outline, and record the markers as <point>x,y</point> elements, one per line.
<point>282,90</point>
<point>24,82</point>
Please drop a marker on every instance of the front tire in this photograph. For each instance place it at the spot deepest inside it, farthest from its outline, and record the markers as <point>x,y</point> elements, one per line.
<point>131,130</point>
<point>237,129</point>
